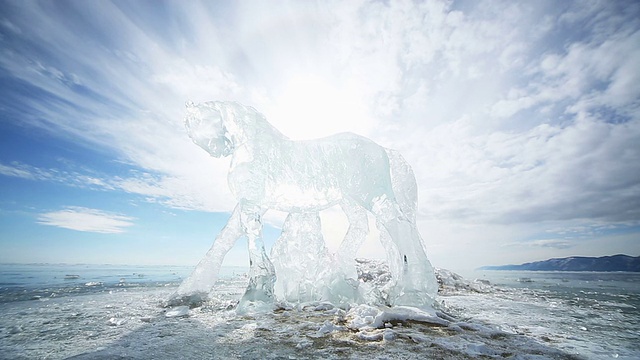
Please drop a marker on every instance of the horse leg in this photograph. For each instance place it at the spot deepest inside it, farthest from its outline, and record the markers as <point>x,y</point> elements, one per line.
<point>262,274</point>
<point>353,239</point>
<point>301,254</point>
<point>415,280</point>
<point>197,286</point>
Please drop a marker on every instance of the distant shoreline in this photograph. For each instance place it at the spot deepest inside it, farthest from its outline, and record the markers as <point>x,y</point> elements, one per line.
<point>614,263</point>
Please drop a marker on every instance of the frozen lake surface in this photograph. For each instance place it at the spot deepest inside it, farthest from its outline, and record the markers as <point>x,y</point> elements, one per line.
<point>114,312</point>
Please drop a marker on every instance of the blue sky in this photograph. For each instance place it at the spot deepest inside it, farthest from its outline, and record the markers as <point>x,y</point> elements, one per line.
<point>521,120</point>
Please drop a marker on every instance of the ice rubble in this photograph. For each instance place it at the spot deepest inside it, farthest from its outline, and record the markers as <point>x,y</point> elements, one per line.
<point>450,282</point>
<point>269,171</point>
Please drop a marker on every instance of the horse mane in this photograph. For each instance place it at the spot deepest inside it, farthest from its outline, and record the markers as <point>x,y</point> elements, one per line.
<point>245,120</point>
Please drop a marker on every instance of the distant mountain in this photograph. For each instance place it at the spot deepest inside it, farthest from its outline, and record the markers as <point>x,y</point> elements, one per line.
<point>578,263</point>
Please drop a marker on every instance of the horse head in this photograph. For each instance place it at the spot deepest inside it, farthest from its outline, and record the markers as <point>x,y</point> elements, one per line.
<point>205,126</point>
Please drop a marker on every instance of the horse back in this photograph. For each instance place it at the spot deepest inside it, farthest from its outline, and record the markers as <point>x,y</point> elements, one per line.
<point>333,168</point>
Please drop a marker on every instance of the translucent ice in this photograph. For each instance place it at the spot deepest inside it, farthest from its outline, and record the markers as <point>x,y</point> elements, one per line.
<point>178,311</point>
<point>269,171</point>
<point>301,259</point>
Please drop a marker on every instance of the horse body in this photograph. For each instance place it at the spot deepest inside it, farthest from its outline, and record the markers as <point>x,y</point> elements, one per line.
<point>298,176</point>
<point>270,171</point>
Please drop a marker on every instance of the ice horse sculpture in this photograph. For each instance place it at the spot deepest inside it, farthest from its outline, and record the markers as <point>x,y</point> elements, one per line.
<point>269,171</point>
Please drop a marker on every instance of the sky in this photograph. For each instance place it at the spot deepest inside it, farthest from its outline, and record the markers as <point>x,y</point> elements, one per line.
<point>521,120</point>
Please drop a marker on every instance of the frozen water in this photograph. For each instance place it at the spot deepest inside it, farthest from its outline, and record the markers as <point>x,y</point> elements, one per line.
<point>555,316</point>
<point>269,171</point>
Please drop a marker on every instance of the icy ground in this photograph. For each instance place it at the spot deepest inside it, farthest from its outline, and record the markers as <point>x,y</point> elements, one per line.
<point>132,325</point>
<point>592,317</point>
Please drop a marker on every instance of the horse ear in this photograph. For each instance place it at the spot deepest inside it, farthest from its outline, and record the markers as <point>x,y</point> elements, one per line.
<point>189,104</point>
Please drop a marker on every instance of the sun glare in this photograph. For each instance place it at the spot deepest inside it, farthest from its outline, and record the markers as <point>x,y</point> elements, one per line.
<point>310,107</point>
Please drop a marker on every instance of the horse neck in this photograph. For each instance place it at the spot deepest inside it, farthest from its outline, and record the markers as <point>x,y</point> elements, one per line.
<point>253,128</point>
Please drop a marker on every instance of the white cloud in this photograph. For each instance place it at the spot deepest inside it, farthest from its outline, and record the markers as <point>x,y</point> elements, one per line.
<point>195,189</point>
<point>88,220</point>
<point>16,171</point>
<point>549,172</point>
<point>553,243</point>
<point>10,26</point>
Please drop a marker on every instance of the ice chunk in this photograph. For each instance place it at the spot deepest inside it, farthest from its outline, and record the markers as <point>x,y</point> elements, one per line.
<point>449,281</point>
<point>367,317</point>
<point>116,321</point>
<point>178,311</point>
<point>362,316</point>
<point>269,171</point>
<point>328,327</point>
<point>388,335</point>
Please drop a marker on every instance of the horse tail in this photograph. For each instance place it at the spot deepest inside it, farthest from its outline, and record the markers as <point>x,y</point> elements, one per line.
<point>403,183</point>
